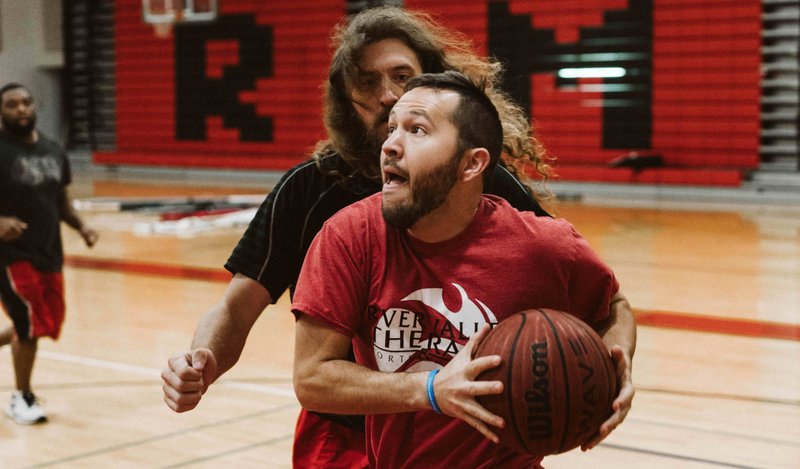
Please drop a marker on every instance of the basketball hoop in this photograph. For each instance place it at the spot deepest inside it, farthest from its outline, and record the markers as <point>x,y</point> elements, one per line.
<point>162,30</point>
<point>164,14</point>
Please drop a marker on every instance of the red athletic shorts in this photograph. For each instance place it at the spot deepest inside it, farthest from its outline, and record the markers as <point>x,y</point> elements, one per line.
<point>33,300</point>
<point>322,444</point>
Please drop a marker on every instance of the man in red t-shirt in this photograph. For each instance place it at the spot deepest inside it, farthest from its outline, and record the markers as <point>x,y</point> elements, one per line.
<point>410,279</point>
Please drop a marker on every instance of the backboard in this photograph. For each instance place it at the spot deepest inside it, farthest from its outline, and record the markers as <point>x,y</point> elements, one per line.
<point>163,14</point>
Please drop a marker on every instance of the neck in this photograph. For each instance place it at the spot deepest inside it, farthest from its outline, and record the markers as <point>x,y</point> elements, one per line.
<point>448,220</point>
<point>30,137</point>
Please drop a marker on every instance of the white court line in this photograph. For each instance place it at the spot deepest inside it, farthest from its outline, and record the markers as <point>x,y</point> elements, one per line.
<point>154,372</point>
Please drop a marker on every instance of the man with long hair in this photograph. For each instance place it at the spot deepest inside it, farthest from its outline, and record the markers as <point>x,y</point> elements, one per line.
<point>376,53</point>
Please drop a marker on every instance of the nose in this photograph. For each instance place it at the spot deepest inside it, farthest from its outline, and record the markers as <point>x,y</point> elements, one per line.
<point>391,146</point>
<point>390,92</point>
<point>22,107</point>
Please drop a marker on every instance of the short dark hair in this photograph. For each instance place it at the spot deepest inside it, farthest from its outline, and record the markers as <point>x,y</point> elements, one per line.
<point>475,116</point>
<point>9,87</point>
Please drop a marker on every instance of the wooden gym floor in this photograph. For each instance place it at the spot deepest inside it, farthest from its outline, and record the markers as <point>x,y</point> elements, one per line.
<point>716,291</point>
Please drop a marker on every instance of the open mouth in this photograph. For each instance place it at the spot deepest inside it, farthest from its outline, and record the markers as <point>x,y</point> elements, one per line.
<point>393,177</point>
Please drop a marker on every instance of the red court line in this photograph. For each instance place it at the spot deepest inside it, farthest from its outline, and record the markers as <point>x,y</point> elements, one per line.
<point>720,325</point>
<point>663,319</point>
<point>148,268</point>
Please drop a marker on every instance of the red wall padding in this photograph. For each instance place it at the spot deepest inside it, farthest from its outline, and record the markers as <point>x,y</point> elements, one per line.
<point>292,96</point>
<point>705,83</point>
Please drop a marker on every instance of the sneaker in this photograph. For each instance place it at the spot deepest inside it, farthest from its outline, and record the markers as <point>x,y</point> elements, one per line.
<point>24,408</point>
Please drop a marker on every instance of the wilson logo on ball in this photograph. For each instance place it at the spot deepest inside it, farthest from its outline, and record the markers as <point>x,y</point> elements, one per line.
<point>558,381</point>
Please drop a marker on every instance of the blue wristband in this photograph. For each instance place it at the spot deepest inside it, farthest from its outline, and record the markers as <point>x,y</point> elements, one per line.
<point>431,395</point>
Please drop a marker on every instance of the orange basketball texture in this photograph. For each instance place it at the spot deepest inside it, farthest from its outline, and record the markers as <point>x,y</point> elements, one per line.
<point>559,381</point>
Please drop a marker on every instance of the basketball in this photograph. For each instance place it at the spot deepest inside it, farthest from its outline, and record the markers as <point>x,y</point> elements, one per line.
<point>558,377</point>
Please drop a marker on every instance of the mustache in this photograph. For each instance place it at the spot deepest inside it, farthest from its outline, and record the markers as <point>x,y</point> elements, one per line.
<point>389,162</point>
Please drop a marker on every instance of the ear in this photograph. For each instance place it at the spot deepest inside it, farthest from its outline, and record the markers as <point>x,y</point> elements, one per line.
<point>477,159</point>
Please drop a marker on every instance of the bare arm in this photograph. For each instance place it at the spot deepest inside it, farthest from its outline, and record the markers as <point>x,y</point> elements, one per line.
<point>224,329</point>
<point>620,327</point>
<point>619,333</point>
<point>218,343</point>
<point>321,365</point>
<point>70,216</point>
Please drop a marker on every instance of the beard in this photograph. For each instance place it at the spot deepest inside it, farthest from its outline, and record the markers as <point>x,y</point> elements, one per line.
<point>428,193</point>
<point>19,130</point>
<point>376,134</point>
<point>360,143</point>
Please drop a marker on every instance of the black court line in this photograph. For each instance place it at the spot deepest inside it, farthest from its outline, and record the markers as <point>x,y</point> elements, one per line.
<point>231,451</point>
<point>144,441</point>
<point>680,457</point>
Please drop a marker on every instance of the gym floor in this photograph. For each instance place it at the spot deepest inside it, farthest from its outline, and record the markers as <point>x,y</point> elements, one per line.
<point>716,289</point>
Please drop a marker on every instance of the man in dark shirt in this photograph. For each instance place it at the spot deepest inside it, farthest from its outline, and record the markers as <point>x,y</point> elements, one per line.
<point>34,175</point>
<point>378,51</point>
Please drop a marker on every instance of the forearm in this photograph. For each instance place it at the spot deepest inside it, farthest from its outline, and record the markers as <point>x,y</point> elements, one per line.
<point>326,381</point>
<point>224,328</point>
<point>619,334</point>
<point>620,327</point>
<point>70,216</point>
<point>219,332</point>
<point>359,390</point>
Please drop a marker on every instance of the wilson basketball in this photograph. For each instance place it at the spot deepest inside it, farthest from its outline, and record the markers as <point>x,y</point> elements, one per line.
<point>559,381</point>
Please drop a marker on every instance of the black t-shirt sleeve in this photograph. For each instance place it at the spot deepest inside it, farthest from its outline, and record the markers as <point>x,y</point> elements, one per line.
<point>270,250</point>
<point>504,184</point>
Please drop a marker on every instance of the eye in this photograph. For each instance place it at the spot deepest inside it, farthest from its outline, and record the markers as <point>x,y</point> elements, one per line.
<point>402,77</point>
<point>390,129</point>
<point>366,83</point>
<point>418,130</point>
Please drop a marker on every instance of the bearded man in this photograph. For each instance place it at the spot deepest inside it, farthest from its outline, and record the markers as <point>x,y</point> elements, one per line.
<point>34,175</point>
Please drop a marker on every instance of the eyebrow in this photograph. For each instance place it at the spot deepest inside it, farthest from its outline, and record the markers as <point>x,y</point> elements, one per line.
<point>397,68</point>
<point>415,112</point>
<point>420,112</point>
<point>16,100</point>
<point>403,67</point>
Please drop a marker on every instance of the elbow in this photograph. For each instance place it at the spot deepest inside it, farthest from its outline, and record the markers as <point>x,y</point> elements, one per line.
<point>302,394</point>
<point>305,391</point>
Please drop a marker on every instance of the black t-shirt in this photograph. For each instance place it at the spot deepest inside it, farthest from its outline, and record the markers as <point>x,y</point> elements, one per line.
<point>273,247</point>
<point>32,182</point>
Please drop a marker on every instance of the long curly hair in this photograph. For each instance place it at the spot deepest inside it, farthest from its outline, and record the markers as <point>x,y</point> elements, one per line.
<point>438,49</point>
